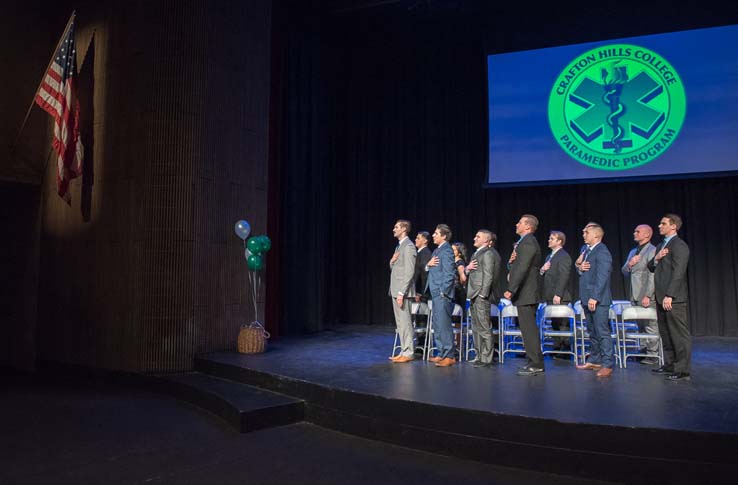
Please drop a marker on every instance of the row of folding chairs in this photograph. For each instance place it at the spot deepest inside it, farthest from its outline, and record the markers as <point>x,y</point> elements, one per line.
<point>628,340</point>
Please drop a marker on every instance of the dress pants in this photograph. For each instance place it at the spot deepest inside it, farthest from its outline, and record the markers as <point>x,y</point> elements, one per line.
<point>675,336</point>
<point>404,322</point>
<point>531,334</point>
<point>441,321</point>
<point>483,344</point>
<point>600,341</point>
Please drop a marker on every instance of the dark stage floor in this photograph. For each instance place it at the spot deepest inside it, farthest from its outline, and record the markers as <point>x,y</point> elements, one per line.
<point>354,358</point>
<point>79,432</point>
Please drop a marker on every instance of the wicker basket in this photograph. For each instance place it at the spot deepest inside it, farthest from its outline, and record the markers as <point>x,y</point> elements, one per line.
<point>252,338</point>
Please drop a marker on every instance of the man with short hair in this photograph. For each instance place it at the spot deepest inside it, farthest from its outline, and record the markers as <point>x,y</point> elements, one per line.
<point>523,291</point>
<point>421,282</point>
<point>441,270</point>
<point>424,255</point>
<point>402,290</point>
<point>555,273</point>
<point>669,268</point>
<point>640,286</point>
<point>595,266</point>
<point>482,271</point>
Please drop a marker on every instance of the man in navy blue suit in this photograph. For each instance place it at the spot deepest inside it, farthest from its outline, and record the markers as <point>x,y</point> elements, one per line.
<point>441,270</point>
<point>594,266</point>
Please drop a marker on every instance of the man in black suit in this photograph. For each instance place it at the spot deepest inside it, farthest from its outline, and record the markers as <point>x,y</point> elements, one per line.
<point>669,268</point>
<point>482,271</point>
<point>421,280</point>
<point>421,276</point>
<point>555,274</point>
<point>523,291</point>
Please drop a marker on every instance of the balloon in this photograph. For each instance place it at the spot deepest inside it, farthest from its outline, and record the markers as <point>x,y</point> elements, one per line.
<point>266,243</point>
<point>247,253</point>
<point>243,229</point>
<point>254,245</point>
<point>255,262</point>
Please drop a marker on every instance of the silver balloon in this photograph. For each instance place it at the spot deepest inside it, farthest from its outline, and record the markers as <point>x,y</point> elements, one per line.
<point>243,229</point>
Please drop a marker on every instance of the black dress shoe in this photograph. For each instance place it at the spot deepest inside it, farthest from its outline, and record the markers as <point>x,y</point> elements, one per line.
<point>530,371</point>
<point>678,376</point>
<point>663,370</point>
<point>479,363</point>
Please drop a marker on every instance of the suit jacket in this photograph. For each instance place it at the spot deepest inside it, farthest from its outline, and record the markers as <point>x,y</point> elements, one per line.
<point>484,281</point>
<point>638,278</point>
<point>556,279</point>
<point>670,274</point>
<point>403,270</point>
<point>595,283</point>
<point>441,276</point>
<point>524,276</point>
<point>421,275</point>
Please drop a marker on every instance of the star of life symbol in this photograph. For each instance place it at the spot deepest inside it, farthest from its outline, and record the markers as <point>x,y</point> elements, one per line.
<point>617,107</point>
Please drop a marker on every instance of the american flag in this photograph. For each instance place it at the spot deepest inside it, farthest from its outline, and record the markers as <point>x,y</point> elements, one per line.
<point>57,95</point>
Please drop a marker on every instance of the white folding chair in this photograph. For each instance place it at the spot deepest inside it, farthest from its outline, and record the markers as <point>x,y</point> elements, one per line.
<point>631,334</point>
<point>511,338</point>
<point>548,333</point>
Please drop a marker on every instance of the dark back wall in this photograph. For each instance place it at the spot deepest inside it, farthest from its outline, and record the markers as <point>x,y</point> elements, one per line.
<point>385,118</point>
<point>143,271</point>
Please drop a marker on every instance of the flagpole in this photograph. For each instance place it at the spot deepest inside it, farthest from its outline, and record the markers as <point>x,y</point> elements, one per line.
<point>33,101</point>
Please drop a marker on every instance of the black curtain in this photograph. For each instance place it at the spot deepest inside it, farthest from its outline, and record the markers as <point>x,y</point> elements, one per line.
<point>386,117</point>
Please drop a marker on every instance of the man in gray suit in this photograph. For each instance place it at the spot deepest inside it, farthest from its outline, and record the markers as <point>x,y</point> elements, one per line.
<point>402,289</point>
<point>483,271</point>
<point>669,268</point>
<point>640,285</point>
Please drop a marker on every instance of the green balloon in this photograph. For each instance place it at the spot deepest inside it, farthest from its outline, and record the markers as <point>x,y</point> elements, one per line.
<point>255,262</point>
<point>266,243</point>
<point>254,245</point>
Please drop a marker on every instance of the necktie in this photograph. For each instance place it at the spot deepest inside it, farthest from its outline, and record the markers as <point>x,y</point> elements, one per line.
<point>586,253</point>
<point>548,258</point>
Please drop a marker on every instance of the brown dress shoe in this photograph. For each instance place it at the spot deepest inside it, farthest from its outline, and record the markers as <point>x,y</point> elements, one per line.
<point>434,359</point>
<point>589,366</point>
<point>402,359</point>
<point>604,372</point>
<point>394,358</point>
<point>447,362</point>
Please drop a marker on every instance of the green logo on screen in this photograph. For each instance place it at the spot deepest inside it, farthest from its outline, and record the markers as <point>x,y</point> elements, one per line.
<point>617,107</point>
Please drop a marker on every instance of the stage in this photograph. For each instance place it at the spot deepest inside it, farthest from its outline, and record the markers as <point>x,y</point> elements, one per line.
<point>565,421</point>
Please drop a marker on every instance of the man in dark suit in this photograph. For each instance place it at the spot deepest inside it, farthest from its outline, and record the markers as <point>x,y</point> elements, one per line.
<point>555,274</point>
<point>421,282</point>
<point>523,291</point>
<point>441,270</point>
<point>421,276</point>
<point>669,268</point>
<point>595,266</point>
<point>482,271</point>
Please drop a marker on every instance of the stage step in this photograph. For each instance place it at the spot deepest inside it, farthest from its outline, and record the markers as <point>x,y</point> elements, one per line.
<point>246,408</point>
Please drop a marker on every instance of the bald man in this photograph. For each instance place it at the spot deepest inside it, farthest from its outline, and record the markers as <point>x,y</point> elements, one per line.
<point>641,286</point>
